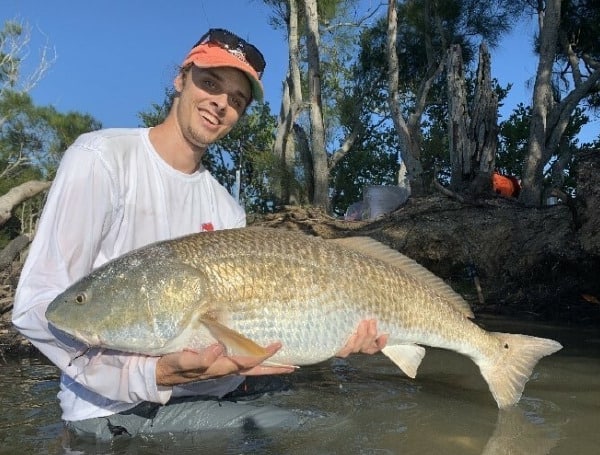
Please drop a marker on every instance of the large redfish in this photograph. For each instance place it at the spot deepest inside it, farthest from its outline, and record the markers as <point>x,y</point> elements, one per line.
<point>249,287</point>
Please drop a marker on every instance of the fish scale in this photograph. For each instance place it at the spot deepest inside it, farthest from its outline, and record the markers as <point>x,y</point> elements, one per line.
<point>249,287</point>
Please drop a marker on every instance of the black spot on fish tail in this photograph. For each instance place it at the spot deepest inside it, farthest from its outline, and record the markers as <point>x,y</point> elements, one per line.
<point>507,372</point>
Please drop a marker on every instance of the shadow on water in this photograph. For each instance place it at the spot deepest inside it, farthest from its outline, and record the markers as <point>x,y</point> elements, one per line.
<point>363,406</point>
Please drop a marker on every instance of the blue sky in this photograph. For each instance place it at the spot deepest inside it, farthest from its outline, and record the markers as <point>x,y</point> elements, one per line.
<point>116,57</point>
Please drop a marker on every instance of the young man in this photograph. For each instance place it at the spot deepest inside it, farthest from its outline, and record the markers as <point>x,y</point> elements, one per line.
<point>120,189</point>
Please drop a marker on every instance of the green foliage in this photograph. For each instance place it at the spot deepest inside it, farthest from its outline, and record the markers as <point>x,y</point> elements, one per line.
<point>247,149</point>
<point>426,30</point>
<point>9,61</point>
<point>580,26</point>
<point>32,141</point>
<point>33,138</point>
<point>513,147</point>
<point>514,141</point>
<point>373,161</point>
<point>157,112</point>
<point>354,78</point>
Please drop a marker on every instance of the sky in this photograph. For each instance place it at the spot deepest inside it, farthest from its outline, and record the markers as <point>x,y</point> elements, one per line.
<point>114,58</point>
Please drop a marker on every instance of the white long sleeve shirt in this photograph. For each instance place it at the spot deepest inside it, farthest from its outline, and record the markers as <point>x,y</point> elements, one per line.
<point>112,193</point>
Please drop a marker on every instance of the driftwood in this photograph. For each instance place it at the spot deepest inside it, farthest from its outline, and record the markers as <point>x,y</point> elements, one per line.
<point>10,251</point>
<point>19,194</point>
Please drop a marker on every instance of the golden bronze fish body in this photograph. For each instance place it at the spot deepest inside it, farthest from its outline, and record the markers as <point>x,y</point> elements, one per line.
<point>249,287</point>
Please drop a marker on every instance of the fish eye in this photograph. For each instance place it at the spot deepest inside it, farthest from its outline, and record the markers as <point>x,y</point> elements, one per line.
<point>81,298</point>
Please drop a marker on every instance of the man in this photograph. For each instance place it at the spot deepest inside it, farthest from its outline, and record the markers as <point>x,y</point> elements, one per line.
<point>120,189</point>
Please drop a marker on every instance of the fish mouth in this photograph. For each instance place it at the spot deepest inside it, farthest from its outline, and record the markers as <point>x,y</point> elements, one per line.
<point>89,339</point>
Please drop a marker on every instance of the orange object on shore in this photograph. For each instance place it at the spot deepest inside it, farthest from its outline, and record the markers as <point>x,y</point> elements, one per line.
<point>505,185</point>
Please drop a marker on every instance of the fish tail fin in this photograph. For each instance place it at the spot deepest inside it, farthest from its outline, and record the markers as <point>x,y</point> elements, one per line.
<point>507,372</point>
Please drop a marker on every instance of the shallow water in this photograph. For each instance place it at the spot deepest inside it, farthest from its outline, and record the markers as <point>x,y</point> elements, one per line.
<point>365,405</point>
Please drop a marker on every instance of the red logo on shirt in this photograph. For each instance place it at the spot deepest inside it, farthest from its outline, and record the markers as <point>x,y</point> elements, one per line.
<point>207,227</point>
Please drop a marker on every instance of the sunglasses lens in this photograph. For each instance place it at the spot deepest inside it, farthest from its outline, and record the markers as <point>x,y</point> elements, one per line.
<point>234,43</point>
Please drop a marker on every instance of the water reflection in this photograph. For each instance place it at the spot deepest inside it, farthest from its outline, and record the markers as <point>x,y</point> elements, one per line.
<point>364,406</point>
<point>516,433</point>
<point>30,418</point>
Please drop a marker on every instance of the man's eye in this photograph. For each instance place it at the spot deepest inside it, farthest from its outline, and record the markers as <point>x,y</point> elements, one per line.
<point>208,84</point>
<point>237,102</point>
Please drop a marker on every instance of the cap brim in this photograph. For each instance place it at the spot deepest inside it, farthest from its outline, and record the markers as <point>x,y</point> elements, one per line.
<point>209,55</point>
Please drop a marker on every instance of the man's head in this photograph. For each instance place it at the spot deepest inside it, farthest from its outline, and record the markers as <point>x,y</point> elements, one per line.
<point>219,78</point>
<point>221,48</point>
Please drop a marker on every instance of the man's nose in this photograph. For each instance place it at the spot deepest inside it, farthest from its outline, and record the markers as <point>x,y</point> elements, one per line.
<point>220,100</point>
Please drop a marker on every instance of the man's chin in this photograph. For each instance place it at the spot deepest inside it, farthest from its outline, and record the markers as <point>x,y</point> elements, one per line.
<point>200,142</point>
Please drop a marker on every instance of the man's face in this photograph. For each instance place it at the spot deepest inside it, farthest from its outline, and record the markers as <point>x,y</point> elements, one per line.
<point>211,101</point>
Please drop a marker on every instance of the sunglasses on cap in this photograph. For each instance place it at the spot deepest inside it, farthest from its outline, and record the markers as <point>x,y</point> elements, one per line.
<point>236,46</point>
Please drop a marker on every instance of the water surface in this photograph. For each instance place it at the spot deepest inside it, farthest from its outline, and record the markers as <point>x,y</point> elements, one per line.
<point>364,405</point>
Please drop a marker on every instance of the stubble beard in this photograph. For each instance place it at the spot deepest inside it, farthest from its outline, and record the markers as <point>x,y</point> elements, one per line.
<point>198,139</point>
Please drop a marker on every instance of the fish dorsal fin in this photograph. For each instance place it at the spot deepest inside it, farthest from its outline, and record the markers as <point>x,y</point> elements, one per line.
<point>406,356</point>
<point>377,250</point>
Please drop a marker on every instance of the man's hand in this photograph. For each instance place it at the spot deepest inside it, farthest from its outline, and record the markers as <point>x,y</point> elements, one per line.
<point>364,340</point>
<point>188,366</point>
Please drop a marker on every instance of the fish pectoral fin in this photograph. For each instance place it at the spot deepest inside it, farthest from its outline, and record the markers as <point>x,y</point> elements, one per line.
<point>407,356</point>
<point>234,342</point>
<point>283,365</point>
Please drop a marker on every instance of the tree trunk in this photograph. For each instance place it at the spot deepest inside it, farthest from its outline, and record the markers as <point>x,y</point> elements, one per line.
<point>483,128</point>
<point>283,146</point>
<point>319,154</point>
<point>291,102</point>
<point>409,130</point>
<point>543,100</point>
<point>306,159</point>
<point>458,121</point>
<point>473,136</point>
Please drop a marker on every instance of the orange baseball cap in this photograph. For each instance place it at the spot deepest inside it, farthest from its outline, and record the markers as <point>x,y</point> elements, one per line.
<point>212,54</point>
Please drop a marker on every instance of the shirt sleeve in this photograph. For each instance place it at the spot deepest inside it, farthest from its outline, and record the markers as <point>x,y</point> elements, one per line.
<point>81,205</point>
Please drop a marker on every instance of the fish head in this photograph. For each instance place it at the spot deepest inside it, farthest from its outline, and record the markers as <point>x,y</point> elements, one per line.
<point>78,312</point>
<point>134,303</point>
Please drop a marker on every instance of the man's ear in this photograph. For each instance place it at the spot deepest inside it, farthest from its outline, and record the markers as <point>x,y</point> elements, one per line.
<point>178,82</point>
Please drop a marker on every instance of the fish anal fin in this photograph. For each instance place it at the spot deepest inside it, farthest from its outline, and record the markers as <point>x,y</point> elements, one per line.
<point>406,356</point>
<point>234,342</point>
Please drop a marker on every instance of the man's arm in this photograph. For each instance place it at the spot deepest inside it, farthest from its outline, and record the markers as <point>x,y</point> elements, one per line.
<point>78,209</point>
